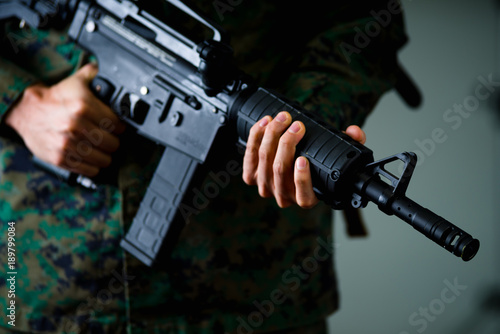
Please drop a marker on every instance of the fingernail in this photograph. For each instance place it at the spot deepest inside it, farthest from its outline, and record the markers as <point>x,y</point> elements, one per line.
<point>301,163</point>
<point>295,127</point>
<point>264,122</point>
<point>281,117</point>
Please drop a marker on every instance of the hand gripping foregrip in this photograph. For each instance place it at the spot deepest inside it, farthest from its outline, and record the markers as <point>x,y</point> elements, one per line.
<point>334,156</point>
<point>344,173</point>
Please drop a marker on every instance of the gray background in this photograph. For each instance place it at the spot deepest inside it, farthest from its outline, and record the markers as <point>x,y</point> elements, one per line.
<point>396,271</point>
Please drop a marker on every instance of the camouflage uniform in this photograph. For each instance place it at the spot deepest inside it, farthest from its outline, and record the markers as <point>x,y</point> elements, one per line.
<point>242,265</point>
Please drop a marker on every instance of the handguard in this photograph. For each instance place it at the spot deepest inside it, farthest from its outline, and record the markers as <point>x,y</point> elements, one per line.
<point>186,95</point>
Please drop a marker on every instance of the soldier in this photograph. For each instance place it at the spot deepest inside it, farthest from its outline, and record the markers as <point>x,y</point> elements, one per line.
<point>245,263</point>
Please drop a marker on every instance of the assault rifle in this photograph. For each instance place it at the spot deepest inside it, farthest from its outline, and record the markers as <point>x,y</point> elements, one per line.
<point>183,94</point>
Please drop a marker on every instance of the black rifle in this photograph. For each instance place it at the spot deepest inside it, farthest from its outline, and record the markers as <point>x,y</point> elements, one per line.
<point>182,94</point>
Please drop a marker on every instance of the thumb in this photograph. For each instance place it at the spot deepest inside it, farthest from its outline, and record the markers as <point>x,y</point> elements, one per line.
<point>87,73</point>
<point>356,133</point>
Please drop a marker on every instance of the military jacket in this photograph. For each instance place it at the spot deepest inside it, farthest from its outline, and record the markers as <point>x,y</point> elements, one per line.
<point>241,265</point>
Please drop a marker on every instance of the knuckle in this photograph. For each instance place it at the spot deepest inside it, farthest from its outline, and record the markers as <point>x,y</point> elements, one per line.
<point>78,108</point>
<point>264,155</point>
<point>251,149</point>
<point>74,129</point>
<point>32,93</point>
<point>300,181</point>
<point>287,140</point>
<point>275,128</point>
<point>254,130</point>
<point>278,168</point>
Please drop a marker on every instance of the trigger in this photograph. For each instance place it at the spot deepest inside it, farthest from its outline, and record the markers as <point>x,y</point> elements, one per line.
<point>103,89</point>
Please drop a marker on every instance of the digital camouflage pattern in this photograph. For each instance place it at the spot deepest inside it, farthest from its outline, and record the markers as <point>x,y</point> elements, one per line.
<point>241,265</point>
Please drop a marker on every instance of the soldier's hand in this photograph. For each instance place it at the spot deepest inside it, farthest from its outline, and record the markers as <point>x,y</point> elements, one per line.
<point>67,125</point>
<point>270,163</point>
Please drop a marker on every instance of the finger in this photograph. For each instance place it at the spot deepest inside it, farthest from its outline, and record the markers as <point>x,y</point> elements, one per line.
<point>356,133</point>
<point>99,112</point>
<point>84,130</point>
<point>267,153</point>
<point>284,187</point>
<point>304,193</point>
<point>251,157</point>
<point>82,168</point>
<point>73,158</point>
<point>97,158</point>
<point>87,72</point>
<point>84,151</point>
<point>102,116</point>
<point>109,143</point>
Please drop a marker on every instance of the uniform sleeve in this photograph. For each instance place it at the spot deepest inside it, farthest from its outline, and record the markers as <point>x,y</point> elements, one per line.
<point>13,81</point>
<point>351,63</point>
<point>31,55</point>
